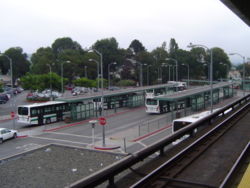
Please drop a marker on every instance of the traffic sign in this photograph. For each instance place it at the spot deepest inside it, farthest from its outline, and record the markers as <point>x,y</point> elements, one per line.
<point>12,114</point>
<point>102,120</point>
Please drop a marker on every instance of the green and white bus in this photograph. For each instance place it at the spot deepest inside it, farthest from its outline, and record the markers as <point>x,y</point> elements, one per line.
<point>43,113</point>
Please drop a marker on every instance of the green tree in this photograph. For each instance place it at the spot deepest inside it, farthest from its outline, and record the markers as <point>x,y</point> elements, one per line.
<point>41,81</point>
<point>125,83</point>
<point>40,60</point>
<point>109,49</point>
<point>20,64</point>
<point>85,82</point>
<point>173,47</point>
<point>136,46</point>
<point>65,43</point>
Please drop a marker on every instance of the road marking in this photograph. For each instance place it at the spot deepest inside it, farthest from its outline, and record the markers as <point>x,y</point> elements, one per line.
<point>30,146</point>
<point>144,145</point>
<point>60,140</point>
<point>69,134</point>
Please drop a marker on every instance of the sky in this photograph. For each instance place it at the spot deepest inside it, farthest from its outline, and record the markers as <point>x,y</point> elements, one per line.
<point>31,24</point>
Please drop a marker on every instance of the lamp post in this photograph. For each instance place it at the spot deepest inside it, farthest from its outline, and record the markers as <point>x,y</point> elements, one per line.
<point>244,71</point>
<point>176,64</point>
<point>62,74</point>
<point>97,62</point>
<point>50,81</point>
<point>102,98</point>
<point>188,71</point>
<point>211,70</point>
<point>114,63</point>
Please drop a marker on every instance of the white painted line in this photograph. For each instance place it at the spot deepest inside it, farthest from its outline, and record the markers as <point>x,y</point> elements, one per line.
<point>73,135</point>
<point>54,139</point>
<point>144,145</point>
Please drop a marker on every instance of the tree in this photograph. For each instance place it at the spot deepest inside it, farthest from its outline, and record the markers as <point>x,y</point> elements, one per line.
<point>173,47</point>
<point>136,46</point>
<point>110,53</point>
<point>40,59</point>
<point>221,63</point>
<point>65,43</point>
<point>20,64</point>
<point>159,56</point>
<point>41,81</point>
<point>85,82</point>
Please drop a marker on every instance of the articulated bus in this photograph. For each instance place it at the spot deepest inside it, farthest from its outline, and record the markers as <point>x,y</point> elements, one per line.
<point>43,113</point>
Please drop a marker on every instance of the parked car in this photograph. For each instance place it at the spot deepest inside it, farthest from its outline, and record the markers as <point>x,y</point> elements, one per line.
<point>4,96</point>
<point>6,134</point>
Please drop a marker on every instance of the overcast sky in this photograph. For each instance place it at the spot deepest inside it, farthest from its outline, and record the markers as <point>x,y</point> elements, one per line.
<point>32,24</point>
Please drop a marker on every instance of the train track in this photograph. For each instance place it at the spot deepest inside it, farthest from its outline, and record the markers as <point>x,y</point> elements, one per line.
<point>207,161</point>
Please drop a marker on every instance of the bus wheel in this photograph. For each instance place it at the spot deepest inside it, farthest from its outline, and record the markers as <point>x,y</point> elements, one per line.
<point>48,121</point>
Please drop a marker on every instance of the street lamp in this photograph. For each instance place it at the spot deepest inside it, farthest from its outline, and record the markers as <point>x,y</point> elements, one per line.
<point>62,73</point>
<point>102,98</point>
<point>50,80</point>
<point>176,64</point>
<point>188,71</point>
<point>211,69</point>
<point>97,62</point>
<point>114,63</point>
<point>244,70</point>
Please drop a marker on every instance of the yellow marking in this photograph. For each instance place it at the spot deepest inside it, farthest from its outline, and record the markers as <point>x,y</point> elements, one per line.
<point>245,181</point>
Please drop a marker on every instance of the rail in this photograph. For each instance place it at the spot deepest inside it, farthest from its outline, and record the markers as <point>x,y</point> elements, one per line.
<point>109,173</point>
<point>236,166</point>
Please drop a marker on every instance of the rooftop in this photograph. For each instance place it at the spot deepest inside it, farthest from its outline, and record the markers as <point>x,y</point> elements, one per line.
<point>53,166</point>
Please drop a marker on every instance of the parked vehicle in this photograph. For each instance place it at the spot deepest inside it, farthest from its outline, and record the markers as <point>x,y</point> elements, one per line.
<point>6,134</point>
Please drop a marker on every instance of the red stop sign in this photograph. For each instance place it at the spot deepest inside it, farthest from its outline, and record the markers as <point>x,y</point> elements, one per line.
<point>102,120</point>
<point>12,115</point>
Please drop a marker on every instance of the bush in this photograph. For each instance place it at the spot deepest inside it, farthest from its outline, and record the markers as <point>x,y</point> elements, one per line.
<point>122,83</point>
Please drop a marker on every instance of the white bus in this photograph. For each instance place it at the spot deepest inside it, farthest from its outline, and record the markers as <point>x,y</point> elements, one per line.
<point>155,106</point>
<point>185,121</point>
<point>43,113</point>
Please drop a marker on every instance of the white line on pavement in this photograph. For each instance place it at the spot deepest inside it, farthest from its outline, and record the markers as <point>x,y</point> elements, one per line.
<point>54,139</point>
<point>73,135</point>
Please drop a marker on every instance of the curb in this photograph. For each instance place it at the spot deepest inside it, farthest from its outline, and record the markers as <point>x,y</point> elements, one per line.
<point>24,136</point>
<point>151,133</point>
<point>106,148</point>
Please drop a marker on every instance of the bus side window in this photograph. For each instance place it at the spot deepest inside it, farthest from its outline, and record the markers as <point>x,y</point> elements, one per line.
<point>47,109</point>
<point>33,112</point>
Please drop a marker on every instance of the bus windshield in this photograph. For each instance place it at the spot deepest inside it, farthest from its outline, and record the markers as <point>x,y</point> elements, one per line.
<point>179,125</point>
<point>151,102</point>
<point>23,111</point>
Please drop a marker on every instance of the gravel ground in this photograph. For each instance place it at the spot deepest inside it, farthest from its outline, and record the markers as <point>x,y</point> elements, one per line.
<point>53,166</point>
